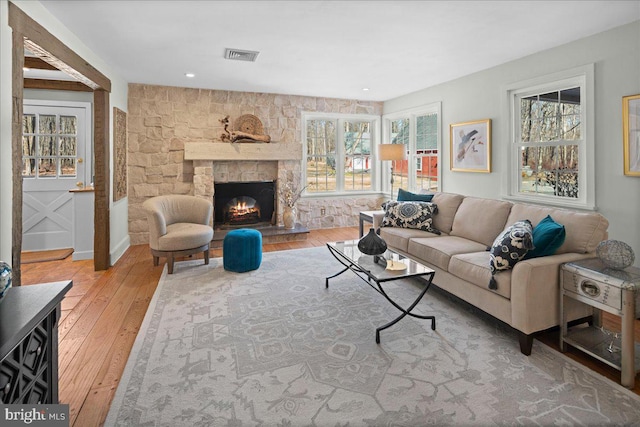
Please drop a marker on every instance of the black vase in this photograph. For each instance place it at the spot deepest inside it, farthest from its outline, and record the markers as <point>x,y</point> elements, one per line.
<point>372,244</point>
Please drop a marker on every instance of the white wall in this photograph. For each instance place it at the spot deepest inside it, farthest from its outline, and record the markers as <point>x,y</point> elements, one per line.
<point>616,55</point>
<point>118,98</point>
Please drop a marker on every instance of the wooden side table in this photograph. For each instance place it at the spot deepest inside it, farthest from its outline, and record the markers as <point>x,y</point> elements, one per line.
<point>368,217</point>
<point>614,291</point>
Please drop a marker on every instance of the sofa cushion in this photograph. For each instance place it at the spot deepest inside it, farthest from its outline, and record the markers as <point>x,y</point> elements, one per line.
<point>399,237</point>
<point>481,220</point>
<point>474,268</point>
<point>584,230</point>
<point>548,236</point>
<point>448,204</point>
<point>510,247</point>
<point>439,251</point>
<point>407,196</point>
<point>417,215</point>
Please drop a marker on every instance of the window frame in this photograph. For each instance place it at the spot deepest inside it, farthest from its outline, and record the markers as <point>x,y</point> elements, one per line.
<point>412,114</point>
<point>339,119</point>
<point>582,77</point>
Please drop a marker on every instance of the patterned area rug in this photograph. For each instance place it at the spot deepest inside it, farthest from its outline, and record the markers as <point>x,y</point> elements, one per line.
<point>273,347</point>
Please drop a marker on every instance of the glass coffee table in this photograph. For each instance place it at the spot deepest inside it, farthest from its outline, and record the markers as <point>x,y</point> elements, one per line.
<point>372,269</point>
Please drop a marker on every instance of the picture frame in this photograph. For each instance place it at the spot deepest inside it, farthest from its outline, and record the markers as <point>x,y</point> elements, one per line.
<point>631,134</point>
<point>470,146</point>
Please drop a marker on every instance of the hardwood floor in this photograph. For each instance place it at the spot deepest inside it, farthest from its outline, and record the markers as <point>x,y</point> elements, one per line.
<point>103,311</point>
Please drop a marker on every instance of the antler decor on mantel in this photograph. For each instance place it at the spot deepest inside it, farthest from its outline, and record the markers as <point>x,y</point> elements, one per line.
<point>248,128</point>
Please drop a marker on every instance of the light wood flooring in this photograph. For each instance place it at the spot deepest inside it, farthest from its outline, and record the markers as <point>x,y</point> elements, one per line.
<point>103,311</point>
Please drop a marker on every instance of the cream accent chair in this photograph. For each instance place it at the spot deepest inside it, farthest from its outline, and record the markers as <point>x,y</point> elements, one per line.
<point>178,226</point>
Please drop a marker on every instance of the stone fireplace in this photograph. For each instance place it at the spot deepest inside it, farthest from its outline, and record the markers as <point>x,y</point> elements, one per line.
<point>217,163</point>
<point>174,147</point>
<point>244,204</point>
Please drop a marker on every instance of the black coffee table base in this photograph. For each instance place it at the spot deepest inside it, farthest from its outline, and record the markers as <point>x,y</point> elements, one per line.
<point>376,284</point>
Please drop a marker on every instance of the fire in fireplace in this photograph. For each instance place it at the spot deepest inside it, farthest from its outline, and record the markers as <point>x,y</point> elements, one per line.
<point>240,204</point>
<point>242,210</point>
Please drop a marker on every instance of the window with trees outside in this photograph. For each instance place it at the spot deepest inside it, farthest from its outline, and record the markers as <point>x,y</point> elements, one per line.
<point>419,131</point>
<point>49,145</point>
<point>338,152</point>
<point>552,152</point>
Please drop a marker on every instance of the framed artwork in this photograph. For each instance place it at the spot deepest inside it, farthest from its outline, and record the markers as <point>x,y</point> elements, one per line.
<point>470,146</point>
<point>631,134</point>
<point>120,154</point>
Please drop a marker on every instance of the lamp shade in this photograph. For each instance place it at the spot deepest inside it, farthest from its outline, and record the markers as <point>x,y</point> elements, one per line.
<point>392,152</point>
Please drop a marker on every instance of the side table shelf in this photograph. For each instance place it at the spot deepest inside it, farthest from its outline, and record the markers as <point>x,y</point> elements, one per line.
<point>590,282</point>
<point>29,343</point>
<point>595,343</point>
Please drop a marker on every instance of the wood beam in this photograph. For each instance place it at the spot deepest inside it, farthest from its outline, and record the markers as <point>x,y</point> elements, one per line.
<point>101,242</point>
<point>27,32</point>
<point>37,64</point>
<point>49,48</point>
<point>16,154</point>
<point>56,85</point>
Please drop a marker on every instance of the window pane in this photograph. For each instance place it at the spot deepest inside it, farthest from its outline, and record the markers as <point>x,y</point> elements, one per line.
<point>68,125</point>
<point>68,146</point>
<point>400,131</point>
<point>357,138</point>
<point>28,123</point>
<point>47,168</point>
<point>427,132</point>
<point>67,167</point>
<point>427,172</point>
<point>47,124</point>
<point>358,173</point>
<point>528,169</point>
<point>570,109</point>
<point>47,145</point>
<point>321,158</point>
<point>29,145</point>
<point>568,157</point>
<point>28,167</point>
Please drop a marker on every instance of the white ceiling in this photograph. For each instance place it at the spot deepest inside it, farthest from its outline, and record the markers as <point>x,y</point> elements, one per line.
<point>327,48</point>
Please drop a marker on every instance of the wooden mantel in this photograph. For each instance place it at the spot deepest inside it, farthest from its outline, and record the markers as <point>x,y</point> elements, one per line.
<point>242,151</point>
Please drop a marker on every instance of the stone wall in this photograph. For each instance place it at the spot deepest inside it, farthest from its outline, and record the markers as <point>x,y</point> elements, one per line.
<point>161,119</point>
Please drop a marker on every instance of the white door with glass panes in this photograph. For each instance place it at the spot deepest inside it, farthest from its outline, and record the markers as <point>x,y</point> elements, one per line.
<point>55,149</point>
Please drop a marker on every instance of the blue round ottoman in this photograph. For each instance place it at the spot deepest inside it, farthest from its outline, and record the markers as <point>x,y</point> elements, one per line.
<point>242,250</point>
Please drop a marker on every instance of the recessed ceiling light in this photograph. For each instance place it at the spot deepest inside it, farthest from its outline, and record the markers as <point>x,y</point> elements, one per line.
<point>190,75</point>
<point>365,89</point>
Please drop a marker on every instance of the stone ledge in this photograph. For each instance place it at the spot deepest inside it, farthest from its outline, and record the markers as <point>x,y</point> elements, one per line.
<point>270,234</point>
<point>242,151</point>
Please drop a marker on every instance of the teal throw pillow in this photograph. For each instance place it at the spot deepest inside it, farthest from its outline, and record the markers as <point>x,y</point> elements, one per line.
<point>548,236</point>
<point>407,196</point>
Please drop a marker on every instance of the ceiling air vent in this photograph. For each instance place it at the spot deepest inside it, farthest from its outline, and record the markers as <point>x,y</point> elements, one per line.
<point>240,55</point>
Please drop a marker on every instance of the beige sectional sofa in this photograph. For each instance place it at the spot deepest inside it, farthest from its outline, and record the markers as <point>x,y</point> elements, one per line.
<point>527,296</point>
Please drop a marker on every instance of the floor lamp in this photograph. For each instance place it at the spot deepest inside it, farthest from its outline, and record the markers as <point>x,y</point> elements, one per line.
<point>392,152</point>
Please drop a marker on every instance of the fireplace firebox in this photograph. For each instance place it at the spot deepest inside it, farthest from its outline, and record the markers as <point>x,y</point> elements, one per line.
<point>242,204</point>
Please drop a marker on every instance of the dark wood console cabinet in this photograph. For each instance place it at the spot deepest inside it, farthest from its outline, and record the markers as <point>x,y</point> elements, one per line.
<point>29,343</point>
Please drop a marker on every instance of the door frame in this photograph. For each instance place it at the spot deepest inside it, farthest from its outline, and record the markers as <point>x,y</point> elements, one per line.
<point>27,32</point>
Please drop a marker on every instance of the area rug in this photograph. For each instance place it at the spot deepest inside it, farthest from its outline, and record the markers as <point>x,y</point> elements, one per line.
<point>274,347</point>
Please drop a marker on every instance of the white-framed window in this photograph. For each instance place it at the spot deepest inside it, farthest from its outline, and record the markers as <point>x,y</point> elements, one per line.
<point>339,152</point>
<point>419,130</point>
<point>551,139</point>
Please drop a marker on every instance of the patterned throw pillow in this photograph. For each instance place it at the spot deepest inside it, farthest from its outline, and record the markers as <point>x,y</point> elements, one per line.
<point>417,215</point>
<point>510,247</point>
